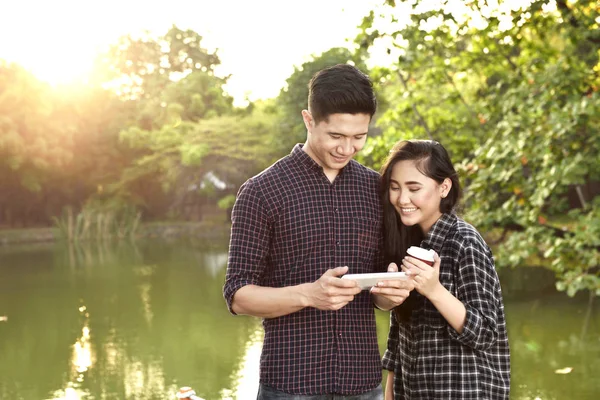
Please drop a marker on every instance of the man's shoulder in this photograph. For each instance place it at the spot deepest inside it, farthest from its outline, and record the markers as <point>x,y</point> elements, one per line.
<point>364,172</point>
<point>364,169</point>
<point>270,176</point>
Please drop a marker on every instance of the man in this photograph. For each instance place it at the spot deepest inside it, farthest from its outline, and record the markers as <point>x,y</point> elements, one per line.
<point>297,227</point>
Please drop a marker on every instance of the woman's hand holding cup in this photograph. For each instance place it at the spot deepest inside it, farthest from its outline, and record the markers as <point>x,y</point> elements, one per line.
<point>424,267</point>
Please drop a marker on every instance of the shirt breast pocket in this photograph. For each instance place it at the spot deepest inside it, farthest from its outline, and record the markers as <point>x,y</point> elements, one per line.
<point>365,243</point>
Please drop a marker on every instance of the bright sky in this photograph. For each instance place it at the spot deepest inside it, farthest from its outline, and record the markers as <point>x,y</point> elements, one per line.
<point>259,41</point>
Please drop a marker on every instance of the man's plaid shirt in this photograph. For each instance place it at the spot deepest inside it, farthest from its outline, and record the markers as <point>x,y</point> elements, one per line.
<point>289,226</point>
<point>429,358</point>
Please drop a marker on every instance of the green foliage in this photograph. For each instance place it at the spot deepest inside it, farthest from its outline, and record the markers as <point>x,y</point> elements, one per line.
<point>166,78</point>
<point>62,146</point>
<point>144,66</point>
<point>512,94</point>
<point>170,83</point>
<point>179,156</point>
<point>34,141</point>
<point>226,202</point>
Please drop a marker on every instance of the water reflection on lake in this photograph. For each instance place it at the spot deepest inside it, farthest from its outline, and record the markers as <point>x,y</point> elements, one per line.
<point>104,321</point>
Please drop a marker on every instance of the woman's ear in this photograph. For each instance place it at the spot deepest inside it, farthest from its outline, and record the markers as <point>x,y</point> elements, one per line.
<point>445,187</point>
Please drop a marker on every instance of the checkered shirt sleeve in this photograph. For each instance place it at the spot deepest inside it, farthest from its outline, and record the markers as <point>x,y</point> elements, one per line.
<point>249,245</point>
<point>477,285</point>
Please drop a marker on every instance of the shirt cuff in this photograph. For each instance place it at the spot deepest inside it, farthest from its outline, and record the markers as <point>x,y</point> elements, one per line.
<point>389,361</point>
<point>230,290</point>
<point>470,329</point>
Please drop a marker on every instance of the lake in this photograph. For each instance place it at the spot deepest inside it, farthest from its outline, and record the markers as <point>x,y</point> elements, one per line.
<point>124,321</point>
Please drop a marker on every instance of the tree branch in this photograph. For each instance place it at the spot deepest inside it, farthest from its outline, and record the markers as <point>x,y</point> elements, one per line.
<point>460,96</point>
<point>414,107</point>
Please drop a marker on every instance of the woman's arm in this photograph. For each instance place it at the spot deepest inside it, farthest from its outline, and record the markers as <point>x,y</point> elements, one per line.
<point>389,386</point>
<point>452,309</point>
<point>478,287</point>
<point>474,313</point>
<point>427,282</point>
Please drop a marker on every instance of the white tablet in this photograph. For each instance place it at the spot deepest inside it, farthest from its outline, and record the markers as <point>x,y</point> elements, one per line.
<point>366,281</point>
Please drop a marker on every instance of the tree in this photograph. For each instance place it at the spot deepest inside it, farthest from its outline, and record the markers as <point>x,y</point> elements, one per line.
<point>156,73</point>
<point>512,94</point>
<point>179,155</point>
<point>170,84</point>
<point>141,67</point>
<point>36,144</point>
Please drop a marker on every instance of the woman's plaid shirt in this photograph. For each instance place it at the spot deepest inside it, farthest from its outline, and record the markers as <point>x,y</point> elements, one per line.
<point>429,358</point>
<point>289,226</point>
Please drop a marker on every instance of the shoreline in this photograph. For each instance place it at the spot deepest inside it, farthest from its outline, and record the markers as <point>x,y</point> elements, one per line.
<point>165,230</point>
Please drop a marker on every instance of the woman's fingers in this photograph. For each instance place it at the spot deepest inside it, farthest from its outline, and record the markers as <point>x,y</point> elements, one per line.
<point>416,262</point>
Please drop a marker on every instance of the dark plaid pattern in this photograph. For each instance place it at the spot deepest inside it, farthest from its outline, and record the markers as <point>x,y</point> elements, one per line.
<point>429,358</point>
<point>289,225</point>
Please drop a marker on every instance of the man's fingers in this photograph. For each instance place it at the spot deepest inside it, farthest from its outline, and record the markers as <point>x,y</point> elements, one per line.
<point>344,299</point>
<point>342,284</point>
<point>338,271</point>
<point>344,287</point>
<point>339,302</point>
<point>332,278</point>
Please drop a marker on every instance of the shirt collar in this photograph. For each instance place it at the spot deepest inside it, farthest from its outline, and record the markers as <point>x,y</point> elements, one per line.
<point>434,239</point>
<point>301,156</point>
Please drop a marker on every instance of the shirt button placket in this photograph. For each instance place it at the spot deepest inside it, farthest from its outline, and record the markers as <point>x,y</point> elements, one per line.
<point>336,217</point>
<point>337,332</point>
<point>340,261</point>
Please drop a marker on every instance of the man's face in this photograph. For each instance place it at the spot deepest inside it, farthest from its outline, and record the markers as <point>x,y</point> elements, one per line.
<point>333,143</point>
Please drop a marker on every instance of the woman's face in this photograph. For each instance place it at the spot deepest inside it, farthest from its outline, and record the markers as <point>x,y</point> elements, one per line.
<point>415,196</point>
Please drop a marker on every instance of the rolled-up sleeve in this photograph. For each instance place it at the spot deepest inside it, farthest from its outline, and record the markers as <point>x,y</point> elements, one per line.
<point>478,289</point>
<point>249,241</point>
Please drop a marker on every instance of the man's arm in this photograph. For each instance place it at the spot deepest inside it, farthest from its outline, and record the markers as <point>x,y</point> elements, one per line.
<point>329,292</point>
<point>249,248</point>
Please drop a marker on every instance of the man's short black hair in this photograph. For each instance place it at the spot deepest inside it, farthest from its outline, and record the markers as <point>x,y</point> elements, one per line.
<point>341,89</point>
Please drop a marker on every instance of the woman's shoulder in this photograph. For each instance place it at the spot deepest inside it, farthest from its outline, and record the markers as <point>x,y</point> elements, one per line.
<point>468,236</point>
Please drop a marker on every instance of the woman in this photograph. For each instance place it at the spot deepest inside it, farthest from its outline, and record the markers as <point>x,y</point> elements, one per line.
<point>449,339</point>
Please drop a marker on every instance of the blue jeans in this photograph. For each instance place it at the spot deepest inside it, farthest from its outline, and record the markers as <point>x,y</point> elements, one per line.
<point>268,393</point>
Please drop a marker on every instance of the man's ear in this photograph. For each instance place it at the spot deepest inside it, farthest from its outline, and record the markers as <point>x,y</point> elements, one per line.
<point>445,187</point>
<point>308,119</point>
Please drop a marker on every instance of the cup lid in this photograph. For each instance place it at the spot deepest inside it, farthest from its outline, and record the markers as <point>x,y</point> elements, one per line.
<point>420,253</point>
<point>185,392</point>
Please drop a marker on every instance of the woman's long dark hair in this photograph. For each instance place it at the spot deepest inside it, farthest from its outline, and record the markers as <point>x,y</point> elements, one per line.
<point>433,161</point>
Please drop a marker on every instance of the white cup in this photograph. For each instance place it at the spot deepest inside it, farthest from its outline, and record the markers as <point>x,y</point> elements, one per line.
<point>422,254</point>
